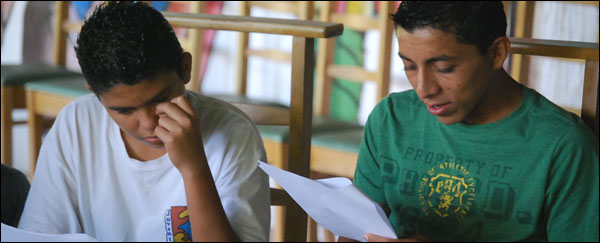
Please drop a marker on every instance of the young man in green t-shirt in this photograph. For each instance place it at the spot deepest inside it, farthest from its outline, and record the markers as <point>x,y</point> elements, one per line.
<point>470,154</point>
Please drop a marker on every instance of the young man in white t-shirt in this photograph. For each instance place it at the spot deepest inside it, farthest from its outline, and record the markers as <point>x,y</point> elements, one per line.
<point>143,159</point>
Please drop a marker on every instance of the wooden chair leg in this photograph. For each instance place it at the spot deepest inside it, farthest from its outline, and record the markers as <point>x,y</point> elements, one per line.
<point>312,230</point>
<point>279,231</point>
<point>34,124</point>
<point>6,125</point>
<point>329,236</point>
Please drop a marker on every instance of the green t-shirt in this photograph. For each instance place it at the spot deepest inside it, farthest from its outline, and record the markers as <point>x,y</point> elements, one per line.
<point>532,176</point>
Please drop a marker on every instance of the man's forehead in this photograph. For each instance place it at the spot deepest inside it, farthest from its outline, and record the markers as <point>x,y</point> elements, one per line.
<point>134,95</point>
<point>427,43</point>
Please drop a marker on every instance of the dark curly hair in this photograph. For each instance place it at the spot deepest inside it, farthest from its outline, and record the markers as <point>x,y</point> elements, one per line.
<point>472,22</point>
<point>125,43</point>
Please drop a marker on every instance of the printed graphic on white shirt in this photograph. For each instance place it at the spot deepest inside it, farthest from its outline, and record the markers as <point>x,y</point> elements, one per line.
<point>177,223</point>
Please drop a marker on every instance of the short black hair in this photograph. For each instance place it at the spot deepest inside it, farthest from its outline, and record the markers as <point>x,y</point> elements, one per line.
<point>472,22</point>
<point>124,43</point>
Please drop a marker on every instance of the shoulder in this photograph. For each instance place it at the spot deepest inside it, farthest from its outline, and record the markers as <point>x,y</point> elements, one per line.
<point>551,118</point>
<point>88,106</point>
<point>83,118</point>
<point>565,130</point>
<point>405,100</point>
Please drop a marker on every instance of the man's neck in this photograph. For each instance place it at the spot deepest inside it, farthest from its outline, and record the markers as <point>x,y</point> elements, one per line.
<point>500,100</point>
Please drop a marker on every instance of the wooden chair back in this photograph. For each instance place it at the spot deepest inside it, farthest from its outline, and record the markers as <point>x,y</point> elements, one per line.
<point>299,115</point>
<point>302,9</point>
<point>326,70</point>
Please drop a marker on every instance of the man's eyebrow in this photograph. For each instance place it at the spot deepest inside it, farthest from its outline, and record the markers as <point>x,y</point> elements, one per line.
<point>431,60</point>
<point>156,99</point>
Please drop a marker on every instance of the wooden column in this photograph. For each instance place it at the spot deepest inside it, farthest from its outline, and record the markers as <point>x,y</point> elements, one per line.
<point>6,126</point>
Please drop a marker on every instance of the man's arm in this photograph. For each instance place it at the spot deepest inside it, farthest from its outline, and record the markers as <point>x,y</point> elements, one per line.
<point>178,129</point>
<point>571,206</point>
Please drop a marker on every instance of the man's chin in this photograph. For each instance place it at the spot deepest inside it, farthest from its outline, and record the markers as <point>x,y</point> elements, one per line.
<point>448,120</point>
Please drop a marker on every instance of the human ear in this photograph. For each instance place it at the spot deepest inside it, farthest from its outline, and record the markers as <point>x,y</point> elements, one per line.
<point>498,52</point>
<point>186,67</point>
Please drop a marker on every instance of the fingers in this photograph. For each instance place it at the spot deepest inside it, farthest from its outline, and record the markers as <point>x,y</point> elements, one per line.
<point>173,111</point>
<point>377,238</point>
<point>184,104</point>
<point>169,124</point>
<point>162,134</point>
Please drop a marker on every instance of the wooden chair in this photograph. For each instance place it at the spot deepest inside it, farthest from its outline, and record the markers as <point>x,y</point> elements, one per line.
<point>12,96</point>
<point>300,112</point>
<point>298,116</point>
<point>302,9</point>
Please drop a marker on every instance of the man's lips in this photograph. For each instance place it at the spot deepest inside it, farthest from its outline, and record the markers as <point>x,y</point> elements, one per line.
<point>153,139</point>
<point>438,109</point>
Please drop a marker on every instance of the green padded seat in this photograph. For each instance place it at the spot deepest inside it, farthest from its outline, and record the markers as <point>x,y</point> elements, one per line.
<point>346,140</point>
<point>234,98</point>
<point>320,124</point>
<point>73,86</point>
<point>20,74</point>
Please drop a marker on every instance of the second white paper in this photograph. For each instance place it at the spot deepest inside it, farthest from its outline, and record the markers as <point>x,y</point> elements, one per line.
<point>334,203</point>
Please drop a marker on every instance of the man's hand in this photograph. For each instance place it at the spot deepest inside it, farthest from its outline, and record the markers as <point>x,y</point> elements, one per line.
<point>178,129</point>
<point>378,238</point>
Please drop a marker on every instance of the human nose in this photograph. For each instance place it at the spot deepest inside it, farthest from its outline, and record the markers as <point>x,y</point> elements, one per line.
<point>148,118</point>
<point>427,85</point>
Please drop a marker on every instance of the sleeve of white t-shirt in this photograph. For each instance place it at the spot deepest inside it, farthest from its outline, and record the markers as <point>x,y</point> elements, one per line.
<point>51,205</point>
<point>243,187</point>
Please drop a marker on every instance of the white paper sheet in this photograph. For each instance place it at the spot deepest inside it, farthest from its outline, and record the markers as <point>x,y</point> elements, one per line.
<point>12,234</point>
<point>334,203</point>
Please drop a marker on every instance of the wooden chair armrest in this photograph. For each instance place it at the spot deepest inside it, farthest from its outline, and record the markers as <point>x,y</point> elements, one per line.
<point>554,48</point>
<point>298,28</point>
<point>279,197</point>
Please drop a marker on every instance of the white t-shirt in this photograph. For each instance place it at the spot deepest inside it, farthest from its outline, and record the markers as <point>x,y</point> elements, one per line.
<point>86,182</point>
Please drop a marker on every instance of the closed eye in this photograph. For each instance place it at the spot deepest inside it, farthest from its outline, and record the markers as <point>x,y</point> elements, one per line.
<point>124,111</point>
<point>410,68</point>
<point>447,70</point>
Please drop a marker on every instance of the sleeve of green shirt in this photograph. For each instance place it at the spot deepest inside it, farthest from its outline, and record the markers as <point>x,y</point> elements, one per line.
<point>367,176</point>
<point>571,208</point>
